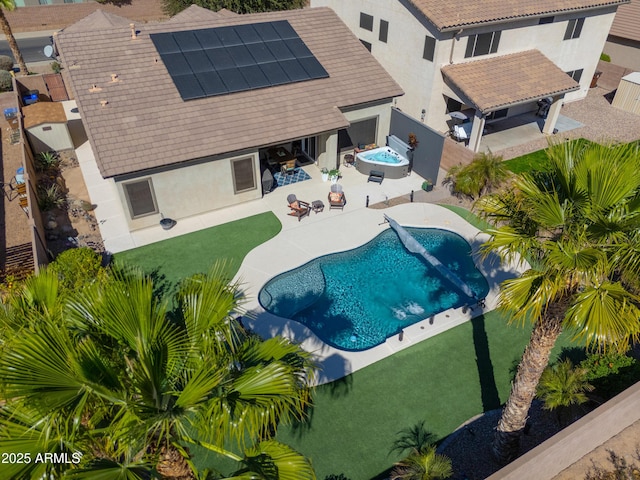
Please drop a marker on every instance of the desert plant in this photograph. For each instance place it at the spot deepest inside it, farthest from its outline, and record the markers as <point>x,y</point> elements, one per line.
<point>6,63</point>
<point>46,160</point>
<point>562,387</point>
<point>50,197</point>
<point>481,176</point>
<point>622,469</point>
<point>55,66</point>
<point>6,83</point>
<point>424,464</point>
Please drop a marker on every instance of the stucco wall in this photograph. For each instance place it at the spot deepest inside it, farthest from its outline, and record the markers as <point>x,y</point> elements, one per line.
<point>421,79</point>
<point>193,189</point>
<point>623,52</point>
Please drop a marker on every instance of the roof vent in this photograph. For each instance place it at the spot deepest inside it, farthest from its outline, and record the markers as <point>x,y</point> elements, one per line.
<point>114,78</point>
<point>133,31</point>
<point>103,103</point>
<point>95,88</point>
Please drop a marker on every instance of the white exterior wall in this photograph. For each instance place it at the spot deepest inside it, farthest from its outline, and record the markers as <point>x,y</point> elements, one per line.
<point>193,189</point>
<point>381,112</point>
<point>422,81</point>
<point>401,56</point>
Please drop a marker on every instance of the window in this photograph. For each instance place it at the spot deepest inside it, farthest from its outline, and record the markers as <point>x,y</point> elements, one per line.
<point>429,48</point>
<point>243,175</point>
<point>576,74</point>
<point>482,44</point>
<point>498,114</point>
<point>367,45</point>
<point>545,20</point>
<point>366,21</point>
<point>574,28</point>
<point>384,31</point>
<point>453,105</point>
<point>140,198</point>
<point>362,132</point>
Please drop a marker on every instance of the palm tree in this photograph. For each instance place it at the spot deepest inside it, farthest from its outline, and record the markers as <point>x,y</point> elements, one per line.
<point>114,376</point>
<point>9,5</point>
<point>563,387</point>
<point>485,173</point>
<point>578,225</point>
<point>424,464</point>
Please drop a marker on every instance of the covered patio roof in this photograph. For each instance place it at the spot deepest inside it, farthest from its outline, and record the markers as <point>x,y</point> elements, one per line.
<point>499,82</point>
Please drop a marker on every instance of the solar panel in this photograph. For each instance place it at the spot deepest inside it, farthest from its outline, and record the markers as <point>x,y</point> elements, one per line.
<point>218,61</point>
<point>188,86</point>
<point>284,29</point>
<point>187,41</point>
<point>280,50</point>
<point>165,43</point>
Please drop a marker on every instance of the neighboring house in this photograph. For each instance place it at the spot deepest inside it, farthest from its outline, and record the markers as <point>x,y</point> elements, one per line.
<point>32,3</point>
<point>623,42</point>
<point>183,115</point>
<point>493,58</point>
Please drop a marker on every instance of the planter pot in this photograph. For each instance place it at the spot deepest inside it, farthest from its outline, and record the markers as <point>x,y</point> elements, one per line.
<point>325,177</point>
<point>167,223</point>
<point>334,180</point>
<point>427,188</point>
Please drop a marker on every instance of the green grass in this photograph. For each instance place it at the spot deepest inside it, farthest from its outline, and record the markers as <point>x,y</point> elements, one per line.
<point>180,257</point>
<point>526,163</point>
<point>444,381</point>
<point>469,216</point>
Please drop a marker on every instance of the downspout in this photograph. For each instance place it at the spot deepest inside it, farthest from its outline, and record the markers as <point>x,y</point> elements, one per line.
<point>455,39</point>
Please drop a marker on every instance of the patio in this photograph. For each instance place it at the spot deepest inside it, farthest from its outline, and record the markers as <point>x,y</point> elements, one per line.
<point>521,129</point>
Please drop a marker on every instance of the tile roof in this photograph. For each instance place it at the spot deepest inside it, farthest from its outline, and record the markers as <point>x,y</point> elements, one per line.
<point>43,112</point>
<point>455,14</point>
<point>499,82</point>
<point>626,23</point>
<point>146,124</point>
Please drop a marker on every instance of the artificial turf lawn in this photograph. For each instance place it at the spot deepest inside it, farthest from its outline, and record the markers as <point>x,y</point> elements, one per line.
<point>180,257</point>
<point>469,216</point>
<point>537,160</point>
<point>356,420</point>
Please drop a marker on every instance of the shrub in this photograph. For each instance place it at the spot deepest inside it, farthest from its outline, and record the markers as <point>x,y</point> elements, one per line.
<point>46,160</point>
<point>78,267</point>
<point>604,57</point>
<point>6,63</point>
<point>55,66</point>
<point>611,373</point>
<point>50,197</point>
<point>6,84</point>
<point>622,469</point>
<point>482,175</point>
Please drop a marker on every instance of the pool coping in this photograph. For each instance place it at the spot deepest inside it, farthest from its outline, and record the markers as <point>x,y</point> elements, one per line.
<point>292,248</point>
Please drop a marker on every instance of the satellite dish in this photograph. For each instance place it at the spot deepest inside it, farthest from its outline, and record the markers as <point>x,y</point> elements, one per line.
<point>48,51</point>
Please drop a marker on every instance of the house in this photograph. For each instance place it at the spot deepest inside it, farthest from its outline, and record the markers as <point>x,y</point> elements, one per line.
<point>491,59</point>
<point>623,42</point>
<point>184,115</point>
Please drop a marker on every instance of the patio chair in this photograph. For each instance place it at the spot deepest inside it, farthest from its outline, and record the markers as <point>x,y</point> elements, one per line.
<point>298,207</point>
<point>336,197</point>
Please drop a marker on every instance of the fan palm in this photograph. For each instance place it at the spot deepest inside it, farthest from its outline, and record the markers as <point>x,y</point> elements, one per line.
<point>578,225</point>
<point>424,464</point>
<point>562,387</point>
<point>9,5</point>
<point>115,377</point>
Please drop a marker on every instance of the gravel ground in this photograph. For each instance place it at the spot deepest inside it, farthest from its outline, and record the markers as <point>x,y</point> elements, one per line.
<point>469,447</point>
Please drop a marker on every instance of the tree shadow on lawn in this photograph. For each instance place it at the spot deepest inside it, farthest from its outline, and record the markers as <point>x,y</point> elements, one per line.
<point>488,387</point>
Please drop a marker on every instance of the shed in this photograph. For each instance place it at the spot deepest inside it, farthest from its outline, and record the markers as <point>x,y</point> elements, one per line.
<point>628,94</point>
<point>46,127</point>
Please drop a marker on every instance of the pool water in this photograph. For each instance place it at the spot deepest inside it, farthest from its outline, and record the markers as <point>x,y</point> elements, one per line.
<point>355,300</point>
<point>383,157</point>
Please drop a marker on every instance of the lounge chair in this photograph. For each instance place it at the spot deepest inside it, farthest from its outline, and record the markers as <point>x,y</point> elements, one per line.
<point>298,207</point>
<point>336,197</point>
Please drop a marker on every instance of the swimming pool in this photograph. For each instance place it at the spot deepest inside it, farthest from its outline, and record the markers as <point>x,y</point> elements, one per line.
<point>355,300</point>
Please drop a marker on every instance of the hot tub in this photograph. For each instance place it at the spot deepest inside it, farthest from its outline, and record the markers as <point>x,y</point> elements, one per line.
<point>382,159</point>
